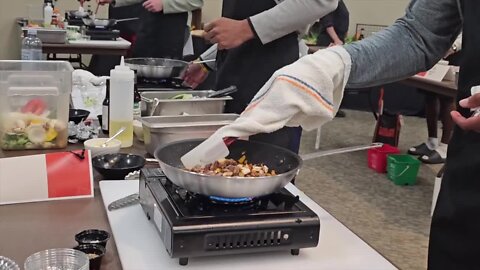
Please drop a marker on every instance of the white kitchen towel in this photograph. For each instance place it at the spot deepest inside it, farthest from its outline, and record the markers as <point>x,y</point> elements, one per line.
<point>306,93</point>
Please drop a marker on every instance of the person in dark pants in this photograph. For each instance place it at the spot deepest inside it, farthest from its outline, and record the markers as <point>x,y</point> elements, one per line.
<point>334,26</point>
<point>163,24</point>
<point>414,43</point>
<point>247,56</point>
<point>101,65</point>
<point>333,31</point>
<point>439,107</point>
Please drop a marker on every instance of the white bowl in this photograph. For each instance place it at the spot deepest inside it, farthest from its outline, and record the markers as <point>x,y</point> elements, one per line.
<point>96,149</point>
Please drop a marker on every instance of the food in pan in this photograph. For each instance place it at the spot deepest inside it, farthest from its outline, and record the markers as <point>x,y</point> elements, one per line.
<point>231,167</point>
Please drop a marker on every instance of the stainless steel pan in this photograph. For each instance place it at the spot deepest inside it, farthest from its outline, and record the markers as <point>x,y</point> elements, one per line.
<point>157,68</point>
<point>286,163</point>
<point>104,23</point>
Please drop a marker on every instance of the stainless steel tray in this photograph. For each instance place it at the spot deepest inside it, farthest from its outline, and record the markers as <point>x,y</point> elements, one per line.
<point>160,130</point>
<point>46,35</point>
<point>196,106</point>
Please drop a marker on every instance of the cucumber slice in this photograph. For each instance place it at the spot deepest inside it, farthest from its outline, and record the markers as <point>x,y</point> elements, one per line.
<point>182,96</point>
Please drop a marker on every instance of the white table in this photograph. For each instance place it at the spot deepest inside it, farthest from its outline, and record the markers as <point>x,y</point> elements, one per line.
<point>140,247</point>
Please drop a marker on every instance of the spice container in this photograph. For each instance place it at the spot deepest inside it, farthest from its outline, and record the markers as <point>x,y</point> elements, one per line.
<point>34,104</point>
<point>95,254</point>
<point>98,237</point>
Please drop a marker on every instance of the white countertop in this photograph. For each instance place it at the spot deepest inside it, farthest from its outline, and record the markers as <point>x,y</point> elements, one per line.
<point>140,247</point>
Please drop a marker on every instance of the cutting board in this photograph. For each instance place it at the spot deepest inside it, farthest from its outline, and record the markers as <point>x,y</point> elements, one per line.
<point>140,247</point>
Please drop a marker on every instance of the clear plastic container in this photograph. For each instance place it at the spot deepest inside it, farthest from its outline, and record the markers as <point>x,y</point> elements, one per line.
<point>34,104</point>
<point>57,259</point>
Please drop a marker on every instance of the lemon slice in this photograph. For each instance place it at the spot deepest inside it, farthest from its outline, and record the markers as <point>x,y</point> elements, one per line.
<point>36,122</point>
<point>50,135</point>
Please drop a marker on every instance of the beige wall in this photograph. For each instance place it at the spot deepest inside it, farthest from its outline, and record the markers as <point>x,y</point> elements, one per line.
<point>212,9</point>
<point>383,12</point>
<point>12,9</point>
<point>361,11</point>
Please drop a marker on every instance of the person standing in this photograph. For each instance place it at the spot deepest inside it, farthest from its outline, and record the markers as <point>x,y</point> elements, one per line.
<point>163,29</point>
<point>438,107</point>
<point>334,30</point>
<point>334,26</point>
<point>412,44</point>
<point>253,39</point>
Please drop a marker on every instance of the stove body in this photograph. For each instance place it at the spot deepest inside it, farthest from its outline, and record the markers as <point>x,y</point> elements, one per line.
<point>192,225</point>
<point>102,33</point>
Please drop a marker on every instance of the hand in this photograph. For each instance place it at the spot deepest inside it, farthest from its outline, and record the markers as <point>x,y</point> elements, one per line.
<point>472,123</point>
<point>195,75</point>
<point>336,43</point>
<point>103,2</point>
<point>228,33</point>
<point>153,5</point>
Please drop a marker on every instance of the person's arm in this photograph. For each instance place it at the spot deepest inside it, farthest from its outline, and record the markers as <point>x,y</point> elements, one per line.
<point>333,35</point>
<point>289,16</point>
<point>177,6</point>
<point>413,43</point>
<point>328,23</point>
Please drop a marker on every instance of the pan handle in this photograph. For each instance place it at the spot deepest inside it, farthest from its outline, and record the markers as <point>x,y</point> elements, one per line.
<point>224,92</point>
<point>318,154</point>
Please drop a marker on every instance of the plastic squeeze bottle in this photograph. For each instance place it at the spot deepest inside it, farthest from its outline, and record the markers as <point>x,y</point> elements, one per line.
<point>121,100</point>
<point>47,15</point>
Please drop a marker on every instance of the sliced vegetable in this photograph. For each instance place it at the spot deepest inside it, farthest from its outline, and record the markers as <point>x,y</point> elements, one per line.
<point>182,96</point>
<point>36,134</point>
<point>36,106</point>
<point>51,134</point>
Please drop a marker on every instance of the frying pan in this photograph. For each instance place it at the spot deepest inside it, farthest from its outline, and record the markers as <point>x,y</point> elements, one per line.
<point>286,163</point>
<point>104,23</point>
<point>157,68</point>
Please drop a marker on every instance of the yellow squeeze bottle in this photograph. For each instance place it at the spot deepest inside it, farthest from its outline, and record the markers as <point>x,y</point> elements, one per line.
<point>121,100</point>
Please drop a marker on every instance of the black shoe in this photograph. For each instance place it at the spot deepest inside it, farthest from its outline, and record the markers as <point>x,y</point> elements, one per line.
<point>340,114</point>
<point>433,158</point>
<point>420,150</point>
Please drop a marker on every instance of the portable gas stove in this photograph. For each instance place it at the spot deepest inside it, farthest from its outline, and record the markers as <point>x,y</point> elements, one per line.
<point>193,225</point>
<point>102,34</point>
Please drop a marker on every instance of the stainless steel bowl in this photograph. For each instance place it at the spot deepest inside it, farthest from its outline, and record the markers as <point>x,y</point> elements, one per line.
<point>157,68</point>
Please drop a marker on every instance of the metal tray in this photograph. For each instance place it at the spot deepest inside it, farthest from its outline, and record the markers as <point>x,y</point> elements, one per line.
<point>167,106</point>
<point>160,130</point>
<point>54,36</point>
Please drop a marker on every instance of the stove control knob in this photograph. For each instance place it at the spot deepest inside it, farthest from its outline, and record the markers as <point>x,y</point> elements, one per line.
<point>286,236</point>
<point>298,221</point>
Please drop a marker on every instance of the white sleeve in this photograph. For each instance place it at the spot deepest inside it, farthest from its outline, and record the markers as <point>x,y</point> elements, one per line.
<point>289,16</point>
